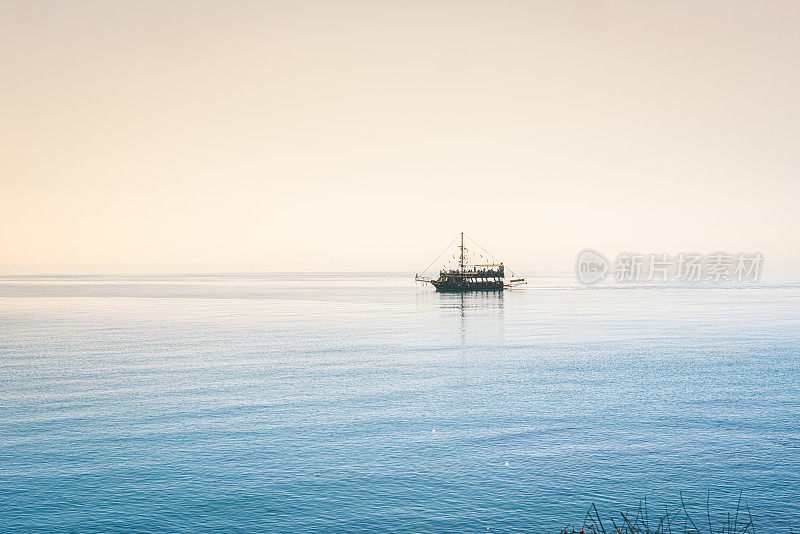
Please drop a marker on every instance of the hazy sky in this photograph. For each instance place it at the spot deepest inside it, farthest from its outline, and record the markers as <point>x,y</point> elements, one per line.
<point>299,133</point>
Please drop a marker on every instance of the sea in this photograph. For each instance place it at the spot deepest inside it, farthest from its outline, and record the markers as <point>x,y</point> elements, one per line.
<point>363,402</point>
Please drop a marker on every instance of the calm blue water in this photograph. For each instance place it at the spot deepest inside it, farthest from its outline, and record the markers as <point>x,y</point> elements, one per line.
<point>361,403</point>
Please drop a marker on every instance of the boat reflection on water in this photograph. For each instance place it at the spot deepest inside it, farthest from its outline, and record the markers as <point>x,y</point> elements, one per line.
<point>478,301</point>
<point>473,304</point>
<point>475,317</point>
<point>467,304</point>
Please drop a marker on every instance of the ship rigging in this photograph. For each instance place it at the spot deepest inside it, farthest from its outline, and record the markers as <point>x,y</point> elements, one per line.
<point>466,276</point>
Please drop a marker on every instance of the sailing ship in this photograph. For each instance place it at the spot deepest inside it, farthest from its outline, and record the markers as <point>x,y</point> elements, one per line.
<point>470,277</point>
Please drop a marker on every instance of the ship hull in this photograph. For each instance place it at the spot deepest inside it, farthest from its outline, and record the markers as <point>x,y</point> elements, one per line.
<point>464,287</point>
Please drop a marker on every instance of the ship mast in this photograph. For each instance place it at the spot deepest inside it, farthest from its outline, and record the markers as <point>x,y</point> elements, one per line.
<point>461,259</point>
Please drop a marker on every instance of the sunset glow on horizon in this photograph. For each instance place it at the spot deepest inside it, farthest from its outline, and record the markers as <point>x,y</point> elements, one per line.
<point>369,132</point>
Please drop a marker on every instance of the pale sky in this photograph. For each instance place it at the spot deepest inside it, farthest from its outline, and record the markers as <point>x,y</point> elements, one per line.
<point>305,133</point>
